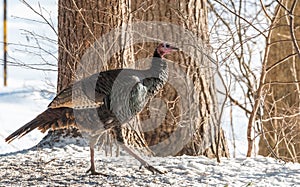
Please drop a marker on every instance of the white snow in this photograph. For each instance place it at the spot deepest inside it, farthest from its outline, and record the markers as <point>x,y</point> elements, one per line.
<point>66,166</point>
<point>18,106</point>
<point>23,99</point>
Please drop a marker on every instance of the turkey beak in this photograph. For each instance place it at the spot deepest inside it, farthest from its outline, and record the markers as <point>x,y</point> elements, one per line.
<point>174,48</point>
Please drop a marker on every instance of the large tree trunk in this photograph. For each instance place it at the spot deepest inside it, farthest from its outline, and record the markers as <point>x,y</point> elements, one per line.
<point>281,119</point>
<point>82,23</point>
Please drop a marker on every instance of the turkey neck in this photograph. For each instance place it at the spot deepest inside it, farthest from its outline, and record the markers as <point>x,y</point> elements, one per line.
<point>157,75</point>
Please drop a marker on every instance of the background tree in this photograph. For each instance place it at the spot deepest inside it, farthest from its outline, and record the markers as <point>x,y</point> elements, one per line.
<point>237,35</point>
<point>256,44</point>
<point>81,23</point>
<point>281,108</point>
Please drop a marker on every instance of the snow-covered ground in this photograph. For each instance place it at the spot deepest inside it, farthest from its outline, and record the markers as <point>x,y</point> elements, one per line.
<point>24,98</point>
<point>27,93</point>
<point>66,166</point>
<point>18,105</point>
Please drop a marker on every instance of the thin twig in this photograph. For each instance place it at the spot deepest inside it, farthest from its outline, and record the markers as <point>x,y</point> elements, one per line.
<point>260,90</point>
<point>292,26</point>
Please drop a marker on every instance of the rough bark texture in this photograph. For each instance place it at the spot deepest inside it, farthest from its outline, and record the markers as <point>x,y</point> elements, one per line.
<point>281,129</point>
<point>81,23</point>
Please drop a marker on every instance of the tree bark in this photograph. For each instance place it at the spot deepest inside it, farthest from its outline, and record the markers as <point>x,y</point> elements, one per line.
<point>80,25</point>
<point>281,130</point>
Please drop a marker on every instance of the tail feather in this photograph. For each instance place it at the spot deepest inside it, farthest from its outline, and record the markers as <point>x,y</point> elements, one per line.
<point>56,118</point>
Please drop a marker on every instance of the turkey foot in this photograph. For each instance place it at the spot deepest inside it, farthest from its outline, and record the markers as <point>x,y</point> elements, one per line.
<point>153,169</point>
<point>142,161</point>
<point>93,172</point>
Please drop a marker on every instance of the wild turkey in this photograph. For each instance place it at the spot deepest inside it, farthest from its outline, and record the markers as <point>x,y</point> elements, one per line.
<point>103,101</point>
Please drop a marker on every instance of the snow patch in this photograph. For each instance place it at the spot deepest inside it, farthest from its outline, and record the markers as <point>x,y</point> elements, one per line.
<point>66,165</point>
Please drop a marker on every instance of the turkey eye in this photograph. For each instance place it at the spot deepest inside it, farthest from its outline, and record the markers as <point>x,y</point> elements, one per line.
<point>167,45</point>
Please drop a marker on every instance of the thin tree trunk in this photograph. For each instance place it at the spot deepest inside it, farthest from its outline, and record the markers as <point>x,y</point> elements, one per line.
<point>281,130</point>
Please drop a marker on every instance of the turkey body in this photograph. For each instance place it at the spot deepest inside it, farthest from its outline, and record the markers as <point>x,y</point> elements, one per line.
<point>102,101</point>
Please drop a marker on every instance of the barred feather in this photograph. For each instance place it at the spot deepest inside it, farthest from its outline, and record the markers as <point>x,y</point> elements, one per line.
<point>46,120</point>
